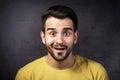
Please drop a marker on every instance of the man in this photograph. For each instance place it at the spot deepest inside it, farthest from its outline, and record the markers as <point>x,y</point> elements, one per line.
<point>59,34</point>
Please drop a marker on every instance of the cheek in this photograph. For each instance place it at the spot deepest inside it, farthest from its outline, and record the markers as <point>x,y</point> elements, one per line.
<point>49,40</point>
<point>70,41</point>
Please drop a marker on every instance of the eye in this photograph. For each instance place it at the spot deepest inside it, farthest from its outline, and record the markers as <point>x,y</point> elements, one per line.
<point>66,33</point>
<point>53,33</point>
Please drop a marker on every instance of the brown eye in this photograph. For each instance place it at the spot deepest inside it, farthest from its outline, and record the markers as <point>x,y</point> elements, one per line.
<point>52,33</point>
<point>66,33</point>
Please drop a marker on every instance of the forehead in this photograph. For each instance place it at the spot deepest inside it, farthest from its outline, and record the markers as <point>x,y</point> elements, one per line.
<point>53,22</point>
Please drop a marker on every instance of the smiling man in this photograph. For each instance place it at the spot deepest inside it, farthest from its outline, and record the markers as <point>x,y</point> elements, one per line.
<point>59,34</point>
<point>59,37</point>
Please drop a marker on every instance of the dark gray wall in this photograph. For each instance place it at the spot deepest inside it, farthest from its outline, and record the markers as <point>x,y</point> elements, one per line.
<point>20,23</point>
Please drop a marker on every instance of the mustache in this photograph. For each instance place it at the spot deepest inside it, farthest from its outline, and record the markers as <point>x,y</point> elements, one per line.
<point>59,46</point>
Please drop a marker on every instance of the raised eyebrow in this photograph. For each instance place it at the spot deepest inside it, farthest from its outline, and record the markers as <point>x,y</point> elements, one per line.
<point>68,29</point>
<point>63,29</point>
<point>50,29</point>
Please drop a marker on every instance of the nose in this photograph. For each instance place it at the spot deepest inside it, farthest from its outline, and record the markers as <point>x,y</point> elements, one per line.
<point>59,39</point>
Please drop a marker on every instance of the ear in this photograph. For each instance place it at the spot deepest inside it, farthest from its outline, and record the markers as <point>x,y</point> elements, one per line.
<point>76,34</point>
<point>42,34</point>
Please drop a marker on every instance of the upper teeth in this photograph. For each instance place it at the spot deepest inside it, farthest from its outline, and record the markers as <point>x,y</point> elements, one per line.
<point>59,48</point>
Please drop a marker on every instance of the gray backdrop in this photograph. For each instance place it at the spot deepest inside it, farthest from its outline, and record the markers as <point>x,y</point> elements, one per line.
<point>20,24</point>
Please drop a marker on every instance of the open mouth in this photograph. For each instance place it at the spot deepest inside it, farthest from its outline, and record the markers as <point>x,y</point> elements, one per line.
<point>60,51</point>
<point>60,48</point>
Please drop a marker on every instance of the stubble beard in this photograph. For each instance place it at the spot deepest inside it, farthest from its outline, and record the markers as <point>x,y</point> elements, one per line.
<point>68,51</point>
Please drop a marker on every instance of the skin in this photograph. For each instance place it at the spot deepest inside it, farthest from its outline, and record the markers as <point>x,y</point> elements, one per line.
<point>59,38</point>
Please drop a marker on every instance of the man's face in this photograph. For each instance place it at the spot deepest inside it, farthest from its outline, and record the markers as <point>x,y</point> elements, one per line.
<point>59,37</point>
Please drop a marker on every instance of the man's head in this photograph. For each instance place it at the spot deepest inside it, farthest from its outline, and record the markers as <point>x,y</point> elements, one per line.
<point>60,12</point>
<point>59,32</point>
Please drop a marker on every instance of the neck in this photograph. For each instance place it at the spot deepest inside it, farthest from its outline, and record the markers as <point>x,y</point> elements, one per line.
<point>69,62</point>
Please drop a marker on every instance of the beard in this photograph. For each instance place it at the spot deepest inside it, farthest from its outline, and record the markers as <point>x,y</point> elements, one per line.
<point>59,47</point>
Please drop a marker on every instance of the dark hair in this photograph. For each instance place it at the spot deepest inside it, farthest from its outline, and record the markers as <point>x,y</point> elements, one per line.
<point>61,12</point>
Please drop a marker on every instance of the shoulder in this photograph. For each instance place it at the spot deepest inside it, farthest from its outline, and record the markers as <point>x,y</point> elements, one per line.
<point>35,63</point>
<point>92,67</point>
<point>87,62</point>
<point>28,69</point>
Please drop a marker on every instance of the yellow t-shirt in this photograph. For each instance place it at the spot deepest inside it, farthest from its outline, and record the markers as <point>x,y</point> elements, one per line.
<point>83,69</point>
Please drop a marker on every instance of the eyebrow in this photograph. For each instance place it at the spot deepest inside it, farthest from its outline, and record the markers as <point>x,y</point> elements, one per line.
<point>67,29</point>
<point>50,29</point>
<point>63,29</point>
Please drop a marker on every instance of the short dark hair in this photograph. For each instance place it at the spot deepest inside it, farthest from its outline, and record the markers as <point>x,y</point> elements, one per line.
<point>61,12</point>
